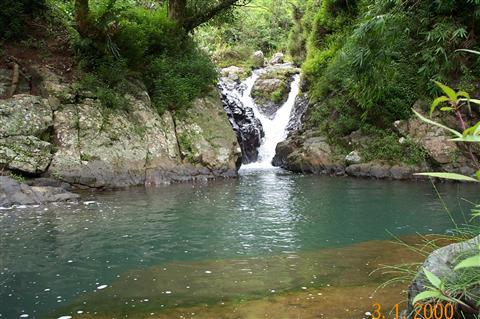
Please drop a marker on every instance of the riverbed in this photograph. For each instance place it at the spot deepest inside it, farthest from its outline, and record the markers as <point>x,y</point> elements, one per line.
<point>270,244</point>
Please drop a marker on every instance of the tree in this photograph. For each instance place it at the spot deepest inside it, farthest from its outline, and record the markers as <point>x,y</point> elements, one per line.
<point>82,12</point>
<point>177,11</point>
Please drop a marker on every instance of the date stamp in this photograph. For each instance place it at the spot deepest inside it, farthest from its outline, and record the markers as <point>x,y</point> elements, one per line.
<point>421,311</point>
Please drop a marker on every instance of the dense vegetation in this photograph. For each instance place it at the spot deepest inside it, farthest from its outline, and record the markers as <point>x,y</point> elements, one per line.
<point>261,25</point>
<point>117,42</point>
<point>367,62</point>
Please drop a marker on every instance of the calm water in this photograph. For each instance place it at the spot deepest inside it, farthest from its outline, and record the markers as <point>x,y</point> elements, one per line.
<point>191,244</point>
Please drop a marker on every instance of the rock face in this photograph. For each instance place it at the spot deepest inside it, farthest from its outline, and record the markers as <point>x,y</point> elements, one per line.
<point>247,127</point>
<point>436,141</point>
<point>271,88</point>
<point>309,152</point>
<point>25,123</point>
<point>298,113</point>
<point>16,193</point>
<point>441,263</point>
<point>70,136</point>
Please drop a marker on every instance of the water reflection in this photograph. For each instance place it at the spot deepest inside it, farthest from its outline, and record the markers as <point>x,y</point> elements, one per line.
<point>52,256</point>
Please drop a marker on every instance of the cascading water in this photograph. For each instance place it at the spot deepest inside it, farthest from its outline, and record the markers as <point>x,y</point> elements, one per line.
<point>275,127</point>
<point>258,133</point>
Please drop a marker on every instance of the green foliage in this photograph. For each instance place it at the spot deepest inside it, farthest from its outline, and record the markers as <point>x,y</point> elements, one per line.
<point>376,56</point>
<point>14,15</point>
<point>385,145</point>
<point>261,25</point>
<point>144,44</point>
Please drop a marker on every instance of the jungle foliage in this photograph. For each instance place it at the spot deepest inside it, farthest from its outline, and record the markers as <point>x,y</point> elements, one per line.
<point>369,61</point>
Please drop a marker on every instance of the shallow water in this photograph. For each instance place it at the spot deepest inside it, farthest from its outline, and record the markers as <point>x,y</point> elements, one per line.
<point>256,247</point>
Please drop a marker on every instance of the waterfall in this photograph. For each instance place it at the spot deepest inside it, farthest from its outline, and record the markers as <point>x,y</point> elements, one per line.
<point>275,127</point>
<point>258,133</point>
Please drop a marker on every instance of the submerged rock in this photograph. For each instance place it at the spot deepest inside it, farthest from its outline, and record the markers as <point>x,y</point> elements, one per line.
<point>16,193</point>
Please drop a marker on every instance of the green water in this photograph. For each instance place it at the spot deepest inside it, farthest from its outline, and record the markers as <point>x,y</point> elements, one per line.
<point>270,227</point>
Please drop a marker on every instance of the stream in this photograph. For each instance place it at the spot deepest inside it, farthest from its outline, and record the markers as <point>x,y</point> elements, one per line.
<point>269,244</point>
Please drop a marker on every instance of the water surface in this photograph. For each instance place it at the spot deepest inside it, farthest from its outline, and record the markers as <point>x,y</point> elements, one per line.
<point>215,249</point>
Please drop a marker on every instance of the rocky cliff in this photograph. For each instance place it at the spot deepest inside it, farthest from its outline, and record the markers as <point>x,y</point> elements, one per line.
<point>309,150</point>
<point>67,134</point>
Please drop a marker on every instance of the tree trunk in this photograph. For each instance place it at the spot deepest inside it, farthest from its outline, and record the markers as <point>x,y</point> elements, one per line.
<point>82,17</point>
<point>177,10</point>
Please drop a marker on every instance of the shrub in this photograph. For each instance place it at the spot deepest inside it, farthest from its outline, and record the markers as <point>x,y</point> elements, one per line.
<point>14,15</point>
<point>149,46</point>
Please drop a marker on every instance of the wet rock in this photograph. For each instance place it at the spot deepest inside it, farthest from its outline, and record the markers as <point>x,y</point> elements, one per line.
<point>277,58</point>
<point>353,157</point>
<point>298,113</point>
<point>383,170</point>
<point>258,59</point>
<point>232,76</point>
<point>16,193</point>
<point>246,126</point>
<point>441,263</point>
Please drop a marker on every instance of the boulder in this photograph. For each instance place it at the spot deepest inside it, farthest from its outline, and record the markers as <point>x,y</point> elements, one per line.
<point>258,59</point>
<point>310,155</point>
<point>13,192</point>
<point>277,58</point>
<point>353,157</point>
<point>270,90</point>
<point>441,263</point>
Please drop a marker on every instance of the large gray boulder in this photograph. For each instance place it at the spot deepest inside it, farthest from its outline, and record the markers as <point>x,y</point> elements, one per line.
<point>309,154</point>
<point>441,263</point>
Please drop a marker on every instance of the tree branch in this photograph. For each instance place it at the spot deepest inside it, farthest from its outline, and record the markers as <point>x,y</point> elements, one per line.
<point>202,17</point>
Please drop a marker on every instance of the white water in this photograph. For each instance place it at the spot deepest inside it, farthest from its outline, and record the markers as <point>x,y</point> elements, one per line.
<point>275,128</point>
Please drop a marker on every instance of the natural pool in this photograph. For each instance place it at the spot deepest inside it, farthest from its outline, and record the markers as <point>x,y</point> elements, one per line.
<point>268,245</point>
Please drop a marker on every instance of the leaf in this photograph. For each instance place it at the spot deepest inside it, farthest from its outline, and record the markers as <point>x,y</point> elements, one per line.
<point>469,51</point>
<point>473,261</point>
<point>464,94</point>
<point>429,294</point>
<point>448,91</point>
<point>468,138</point>
<point>434,280</point>
<point>458,134</point>
<point>437,101</point>
<point>446,108</point>
<point>471,100</point>
<point>453,176</point>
